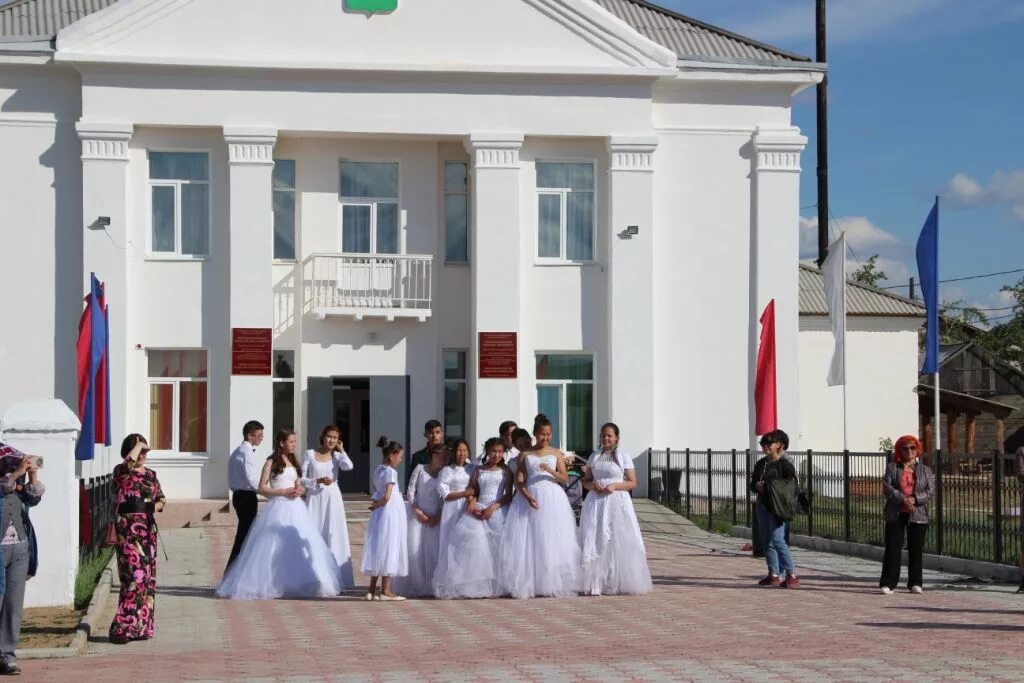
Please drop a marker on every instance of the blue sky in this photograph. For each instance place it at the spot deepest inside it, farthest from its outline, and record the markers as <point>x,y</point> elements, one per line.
<point>925,99</point>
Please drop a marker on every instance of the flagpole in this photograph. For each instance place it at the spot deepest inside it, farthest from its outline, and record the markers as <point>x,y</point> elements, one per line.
<point>937,404</point>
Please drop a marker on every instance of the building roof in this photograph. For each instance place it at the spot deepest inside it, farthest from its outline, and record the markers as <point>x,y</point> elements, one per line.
<point>861,300</point>
<point>694,40</point>
<point>28,20</point>
<point>39,21</point>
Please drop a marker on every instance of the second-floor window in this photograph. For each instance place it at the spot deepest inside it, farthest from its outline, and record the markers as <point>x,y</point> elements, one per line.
<point>179,197</point>
<point>284,209</point>
<point>369,208</point>
<point>565,211</point>
<point>456,212</point>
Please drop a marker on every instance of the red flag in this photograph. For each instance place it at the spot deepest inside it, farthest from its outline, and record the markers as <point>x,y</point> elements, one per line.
<point>765,402</point>
<point>83,351</point>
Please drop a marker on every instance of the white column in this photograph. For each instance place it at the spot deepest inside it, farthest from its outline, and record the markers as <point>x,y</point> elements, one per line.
<point>775,259</point>
<point>48,429</point>
<point>631,297</point>
<point>106,250</point>
<point>497,262</point>
<point>250,262</point>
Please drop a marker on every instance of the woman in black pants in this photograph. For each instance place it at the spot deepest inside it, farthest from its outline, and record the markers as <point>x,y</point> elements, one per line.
<point>908,485</point>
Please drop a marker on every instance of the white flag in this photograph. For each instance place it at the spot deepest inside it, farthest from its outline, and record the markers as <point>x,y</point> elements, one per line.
<point>834,273</point>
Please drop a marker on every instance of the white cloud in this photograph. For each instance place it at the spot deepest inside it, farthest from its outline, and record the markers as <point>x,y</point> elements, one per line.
<point>864,239</point>
<point>1003,189</point>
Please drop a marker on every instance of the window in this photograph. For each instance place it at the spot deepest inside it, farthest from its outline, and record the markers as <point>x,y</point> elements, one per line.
<point>565,393</point>
<point>565,211</point>
<point>456,212</point>
<point>369,208</point>
<point>284,390</point>
<point>177,401</point>
<point>179,197</point>
<point>284,209</point>
<point>455,393</point>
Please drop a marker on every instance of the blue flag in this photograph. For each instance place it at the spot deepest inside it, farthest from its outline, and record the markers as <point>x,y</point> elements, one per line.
<point>928,271</point>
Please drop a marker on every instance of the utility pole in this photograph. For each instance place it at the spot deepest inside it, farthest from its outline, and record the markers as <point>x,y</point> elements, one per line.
<point>819,56</point>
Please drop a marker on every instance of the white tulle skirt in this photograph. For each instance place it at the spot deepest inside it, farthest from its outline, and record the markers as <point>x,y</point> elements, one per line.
<point>540,554</point>
<point>283,557</point>
<point>327,508</point>
<point>423,544</point>
<point>614,558</point>
<point>385,546</point>
<point>470,566</point>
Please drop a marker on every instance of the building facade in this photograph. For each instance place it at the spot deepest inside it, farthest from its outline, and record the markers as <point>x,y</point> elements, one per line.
<point>451,209</point>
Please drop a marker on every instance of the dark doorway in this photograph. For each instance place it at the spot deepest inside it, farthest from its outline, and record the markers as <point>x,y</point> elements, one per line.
<point>352,416</point>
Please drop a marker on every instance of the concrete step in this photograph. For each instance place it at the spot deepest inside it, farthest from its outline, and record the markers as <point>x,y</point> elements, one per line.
<point>183,513</point>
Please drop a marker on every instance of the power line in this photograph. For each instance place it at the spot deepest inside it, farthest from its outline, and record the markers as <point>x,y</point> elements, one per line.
<point>969,277</point>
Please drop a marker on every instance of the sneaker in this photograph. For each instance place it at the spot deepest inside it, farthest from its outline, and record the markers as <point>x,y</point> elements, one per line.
<point>1020,588</point>
<point>9,669</point>
<point>885,590</point>
<point>790,582</point>
<point>916,590</point>
<point>769,581</point>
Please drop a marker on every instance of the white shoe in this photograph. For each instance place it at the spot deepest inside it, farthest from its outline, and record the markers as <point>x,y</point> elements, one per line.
<point>885,590</point>
<point>916,590</point>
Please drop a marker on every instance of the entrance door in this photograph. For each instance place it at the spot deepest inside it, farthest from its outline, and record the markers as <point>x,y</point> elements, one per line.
<point>352,416</point>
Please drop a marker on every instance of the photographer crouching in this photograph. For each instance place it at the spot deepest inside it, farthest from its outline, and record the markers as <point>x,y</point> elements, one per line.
<point>20,489</point>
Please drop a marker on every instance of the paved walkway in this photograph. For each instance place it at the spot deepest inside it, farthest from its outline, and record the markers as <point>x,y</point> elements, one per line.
<point>706,620</point>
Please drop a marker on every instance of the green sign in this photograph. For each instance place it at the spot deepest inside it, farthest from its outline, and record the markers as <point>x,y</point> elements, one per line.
<point>372,6</point>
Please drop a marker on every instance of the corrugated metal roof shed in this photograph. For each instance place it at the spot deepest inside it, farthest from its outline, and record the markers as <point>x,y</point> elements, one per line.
<point>860,299</point>
<point>41,19</point>
<point>690,39</point>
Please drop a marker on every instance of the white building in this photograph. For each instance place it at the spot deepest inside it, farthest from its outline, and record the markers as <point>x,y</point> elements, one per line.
<point>881,367</point>
<point>613,184</point>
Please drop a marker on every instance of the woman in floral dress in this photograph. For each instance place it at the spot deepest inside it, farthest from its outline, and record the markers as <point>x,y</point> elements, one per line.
<point>137,494</point>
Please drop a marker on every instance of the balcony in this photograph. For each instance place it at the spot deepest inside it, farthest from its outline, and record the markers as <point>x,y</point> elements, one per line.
<point>362,286</point>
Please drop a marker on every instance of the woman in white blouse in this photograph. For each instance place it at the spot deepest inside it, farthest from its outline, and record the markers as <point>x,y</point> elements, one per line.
<point>321,468</point>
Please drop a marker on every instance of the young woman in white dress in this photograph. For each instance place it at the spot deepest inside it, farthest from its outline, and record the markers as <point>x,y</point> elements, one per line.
<point>472,570</point>
<point>385,553</point>
<point>614,558</point>
<point>453,487</point>
<point>283,555</point>
<point>424,527</point>
<point>321,469</point>
<point>540,555</point>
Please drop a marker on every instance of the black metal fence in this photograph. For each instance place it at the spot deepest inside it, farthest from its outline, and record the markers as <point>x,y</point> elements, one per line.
<point>96,511</point>
<point>975,512</point>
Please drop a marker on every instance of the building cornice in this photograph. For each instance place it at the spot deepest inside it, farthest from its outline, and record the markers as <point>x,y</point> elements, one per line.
<point>778,149</point>
<point>251,146</point>
<point>632,153</point>
<point>104,141</point>
<point>494,150</point>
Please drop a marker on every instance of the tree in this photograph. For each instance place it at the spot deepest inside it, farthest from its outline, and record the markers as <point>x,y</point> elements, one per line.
<point>960,322</point>
<point>868,273</point>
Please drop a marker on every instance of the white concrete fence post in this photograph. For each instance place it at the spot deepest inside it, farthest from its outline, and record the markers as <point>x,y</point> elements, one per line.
<point>49,429</point>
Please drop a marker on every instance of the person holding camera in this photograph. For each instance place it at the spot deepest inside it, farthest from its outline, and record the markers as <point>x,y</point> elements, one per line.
<point>20,489</point>
<point>138,495</point>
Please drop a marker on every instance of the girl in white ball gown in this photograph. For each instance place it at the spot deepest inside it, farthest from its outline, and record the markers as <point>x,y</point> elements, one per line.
<point>284,555</point>
<point>540,555</point>
<point>321,468</point>
<point>385,550</point>
<point>424,519</point>
<point>453,487</point>
<point>475,543</point>
<point>614,558</point>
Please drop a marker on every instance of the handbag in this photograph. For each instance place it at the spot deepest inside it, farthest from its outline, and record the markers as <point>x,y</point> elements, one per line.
<point>110,536</point>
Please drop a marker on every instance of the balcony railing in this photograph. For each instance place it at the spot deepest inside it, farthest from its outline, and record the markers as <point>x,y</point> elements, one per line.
<point>369,285</point>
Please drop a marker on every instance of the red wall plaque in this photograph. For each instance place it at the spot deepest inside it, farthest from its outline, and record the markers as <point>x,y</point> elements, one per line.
<point>251,350</point>
<point>498,355</point>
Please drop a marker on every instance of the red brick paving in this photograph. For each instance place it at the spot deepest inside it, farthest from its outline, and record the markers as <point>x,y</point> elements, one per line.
<point>705,620</point>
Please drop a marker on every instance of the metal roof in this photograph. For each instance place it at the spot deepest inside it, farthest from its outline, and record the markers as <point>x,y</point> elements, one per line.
<point>860,299</point>
<point>26,20</point>
<point>694,40</point>
<point>41,19</point>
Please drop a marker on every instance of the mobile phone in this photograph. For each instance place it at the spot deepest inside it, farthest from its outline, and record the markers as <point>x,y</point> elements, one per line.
<point>39,461</point>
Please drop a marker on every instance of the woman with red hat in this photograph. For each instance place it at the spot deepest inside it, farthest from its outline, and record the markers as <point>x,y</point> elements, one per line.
<point>908,485</point>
